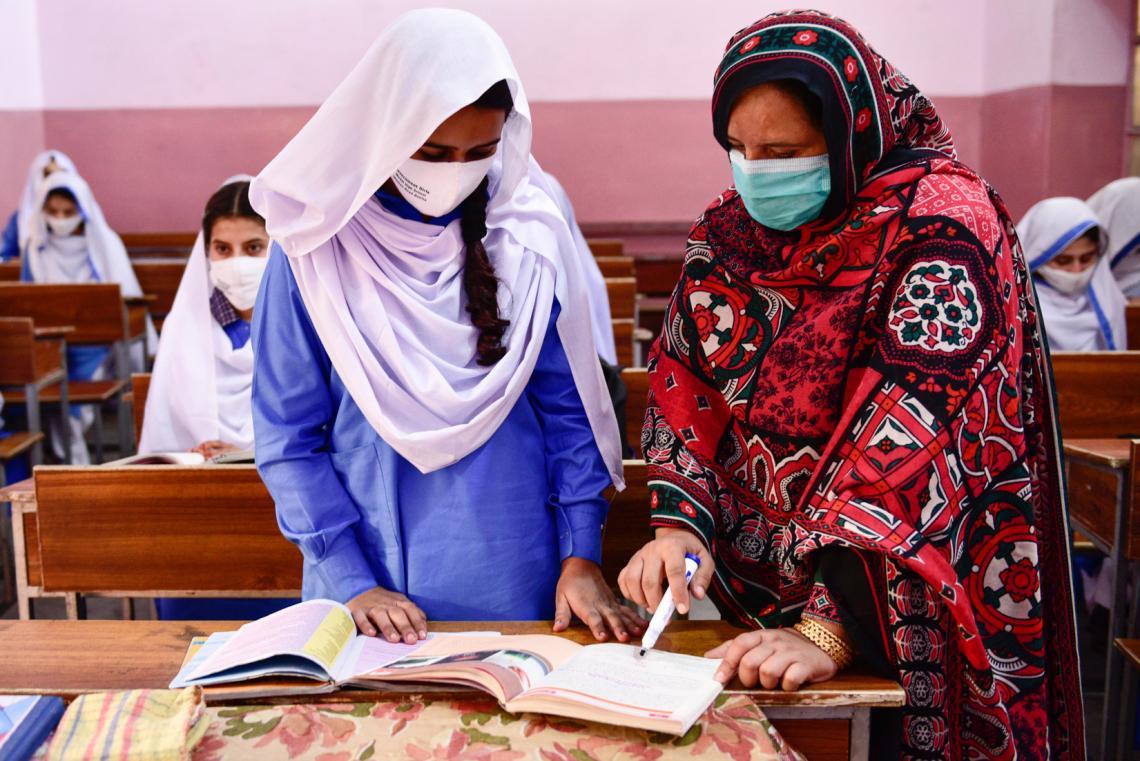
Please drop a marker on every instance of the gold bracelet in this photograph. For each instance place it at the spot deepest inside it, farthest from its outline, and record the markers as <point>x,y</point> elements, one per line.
<point>828,641</point>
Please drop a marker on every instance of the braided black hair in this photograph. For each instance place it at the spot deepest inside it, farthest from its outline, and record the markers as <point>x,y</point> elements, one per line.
<point>479,282</point>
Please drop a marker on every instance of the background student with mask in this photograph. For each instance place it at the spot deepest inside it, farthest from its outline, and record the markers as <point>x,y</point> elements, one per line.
<point>199,396</point>
<point>1080,300</point>
<point>430,415</point>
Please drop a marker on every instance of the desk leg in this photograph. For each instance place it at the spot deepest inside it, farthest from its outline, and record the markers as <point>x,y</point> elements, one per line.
<point>76,606</point>
<point>23,600</point>
<point>1117,618</point>
<point>860,748</point>
<point>1126,712</point>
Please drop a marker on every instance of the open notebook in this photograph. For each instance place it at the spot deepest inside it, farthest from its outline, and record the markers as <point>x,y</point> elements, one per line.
<point>317,641</point>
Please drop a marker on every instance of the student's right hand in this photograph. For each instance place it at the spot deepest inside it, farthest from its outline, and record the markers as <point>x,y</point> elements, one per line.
<point>661,562</point>
<point>394,615</point>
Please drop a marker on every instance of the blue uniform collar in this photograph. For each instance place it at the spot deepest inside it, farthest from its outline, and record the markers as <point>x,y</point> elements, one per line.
<point>399,206</point>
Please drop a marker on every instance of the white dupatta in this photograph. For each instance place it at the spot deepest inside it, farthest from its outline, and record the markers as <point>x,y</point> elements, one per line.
<point>384,294</point>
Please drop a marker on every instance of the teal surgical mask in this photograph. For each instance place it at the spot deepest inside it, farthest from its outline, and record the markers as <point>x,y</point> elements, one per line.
<point>782,193</point>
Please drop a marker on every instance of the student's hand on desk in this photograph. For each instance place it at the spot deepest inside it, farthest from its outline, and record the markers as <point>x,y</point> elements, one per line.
<point>773,658</point>
<point>662,562</point>
<point>214,447</point>
<point>394,615</point>
<point>582,591</point>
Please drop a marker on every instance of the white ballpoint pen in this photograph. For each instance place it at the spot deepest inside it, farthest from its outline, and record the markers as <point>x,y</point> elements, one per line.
<point>665,608</point>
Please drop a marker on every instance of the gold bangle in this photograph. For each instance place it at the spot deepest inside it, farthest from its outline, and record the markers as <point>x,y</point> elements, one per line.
<point>828,641</point>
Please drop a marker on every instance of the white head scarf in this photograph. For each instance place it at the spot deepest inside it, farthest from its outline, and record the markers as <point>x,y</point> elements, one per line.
<point>595,281</point>
<point>53,260</point>
<point>1117,205</point>
<point>200,388</point>
<point>1093,320</point>
<point>385,294</point>
<point>31,188</point>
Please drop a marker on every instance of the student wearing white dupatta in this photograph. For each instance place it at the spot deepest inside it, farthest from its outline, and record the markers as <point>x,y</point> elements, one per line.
<point>193,400</point>
<point>90,253</point>
<point>1083,307</point>
<point>418,481</point>
<point>1117,205</point>
<point>15,234</point>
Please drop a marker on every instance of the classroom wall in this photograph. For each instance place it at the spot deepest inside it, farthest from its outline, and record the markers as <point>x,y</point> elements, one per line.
<point>21,98</point>
<point>169,98</point>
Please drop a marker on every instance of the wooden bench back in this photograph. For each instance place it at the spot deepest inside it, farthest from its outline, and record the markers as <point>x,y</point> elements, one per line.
<point>140,387</point>
<point>160,278</point>
<point>10,271</point>
<point>1132,321</point>
<point>606,246</point>
<point>161,530</point>
<point>637,392</point>
<point>623,340</point>
<point>617,266</point>
<point>95,310</point>
<point>622,292</point>
<point>18,348</point>
<point>627,525</point>
<point>1097,393</point>
<point>147,245</point>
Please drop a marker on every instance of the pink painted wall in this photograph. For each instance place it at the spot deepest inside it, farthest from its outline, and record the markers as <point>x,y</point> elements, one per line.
<point>168,101</point>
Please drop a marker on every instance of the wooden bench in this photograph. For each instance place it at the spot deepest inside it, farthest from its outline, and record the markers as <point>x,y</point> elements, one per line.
<point>636,381</point>
<point>34,365</point>
<point>606,246</point>
<point>10,271</point>
<point>15,444</point>
<point>158,245</point>
<point>164,531</point>
<point>623,341</point>
<point>160,278</point>
<point>140,388</point>
<point>627,523</point>
<point>826,721</point>
<point>1097,393</point>
<point>617,266</point>
<point>100,317</point>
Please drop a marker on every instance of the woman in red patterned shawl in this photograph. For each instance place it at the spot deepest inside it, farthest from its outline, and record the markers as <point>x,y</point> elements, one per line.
<point>851,417</point>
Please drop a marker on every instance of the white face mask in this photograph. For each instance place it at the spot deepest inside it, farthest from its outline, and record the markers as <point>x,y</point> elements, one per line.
<point>1069,283</point>
<point>238,278</point>
<point>437,187</point>
<point>63,226</point>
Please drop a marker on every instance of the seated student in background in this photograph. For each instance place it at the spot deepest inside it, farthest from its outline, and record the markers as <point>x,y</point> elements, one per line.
<point>42,165</point>
<point>1082,305</point>
<point>203,374</point>
<point>69,241</point>
<point>430,414</point>
<point>595,282</point>
<point>1117,206</point>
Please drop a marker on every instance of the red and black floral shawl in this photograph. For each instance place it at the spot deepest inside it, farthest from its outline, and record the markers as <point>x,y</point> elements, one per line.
<point>877,382</point>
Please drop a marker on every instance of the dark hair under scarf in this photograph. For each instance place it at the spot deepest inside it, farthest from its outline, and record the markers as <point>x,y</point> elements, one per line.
<point>869,107</point>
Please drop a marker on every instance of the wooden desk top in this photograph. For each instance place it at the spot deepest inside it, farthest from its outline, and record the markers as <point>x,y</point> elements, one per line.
<point>1131,649</point>
<point>72,657</point>
<point>21,491</point>
<point>1112,453</point>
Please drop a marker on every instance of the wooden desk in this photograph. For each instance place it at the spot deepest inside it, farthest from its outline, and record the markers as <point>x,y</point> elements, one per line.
<point>1100,475</point>
<point>827,720</point>
<point>25,548</point>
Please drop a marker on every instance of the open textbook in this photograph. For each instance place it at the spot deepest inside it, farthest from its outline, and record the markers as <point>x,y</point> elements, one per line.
<point>316,640</point>
<point>186,458</point>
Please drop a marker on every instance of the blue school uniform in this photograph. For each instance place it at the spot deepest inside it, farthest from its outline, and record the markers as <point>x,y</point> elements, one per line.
<point>482,539</point>
<point>10,241</point>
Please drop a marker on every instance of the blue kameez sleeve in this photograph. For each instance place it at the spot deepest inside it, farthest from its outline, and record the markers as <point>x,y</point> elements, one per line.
<point>575,469</point>
<point>10,243</point>
<point>292,414</point>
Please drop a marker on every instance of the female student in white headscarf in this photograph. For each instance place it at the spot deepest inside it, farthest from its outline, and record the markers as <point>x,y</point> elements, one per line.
<point>1117,205</point>
<point>195,403</point>
<point>1082,305</point>
<point>69,241</point>
<point>430,414</point>
<point>42,165</point>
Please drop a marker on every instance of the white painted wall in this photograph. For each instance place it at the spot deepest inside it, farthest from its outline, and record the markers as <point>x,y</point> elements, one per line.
<point>21,86</point>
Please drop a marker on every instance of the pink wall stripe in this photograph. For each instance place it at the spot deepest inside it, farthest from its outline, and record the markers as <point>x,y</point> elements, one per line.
<point>621,161</point>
